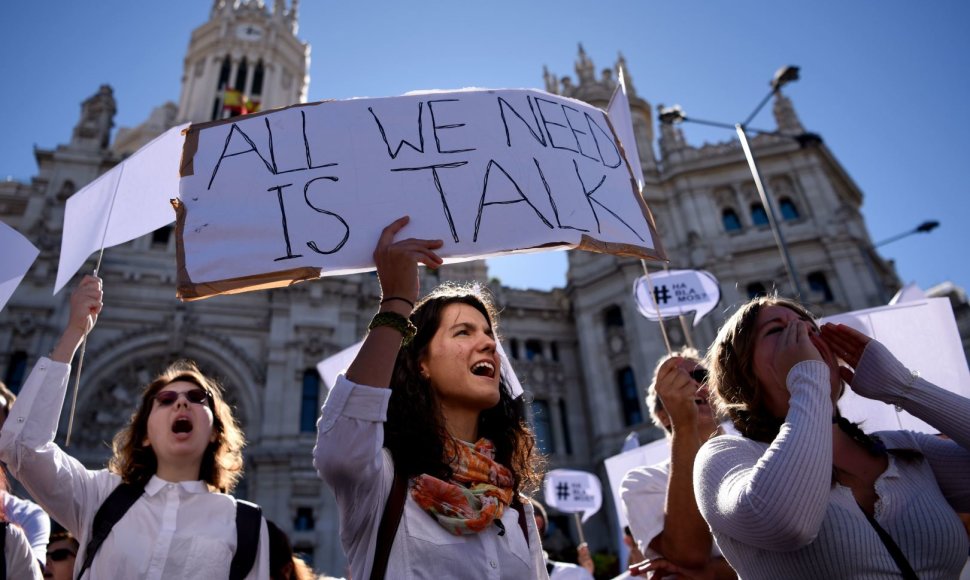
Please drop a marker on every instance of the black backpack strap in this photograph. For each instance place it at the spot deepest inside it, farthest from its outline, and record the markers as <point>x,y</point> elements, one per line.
<point>3,550</point>
<point>390,520</point>
<point>115,506</point>
<point>901,562</point>
<point>249,520</point>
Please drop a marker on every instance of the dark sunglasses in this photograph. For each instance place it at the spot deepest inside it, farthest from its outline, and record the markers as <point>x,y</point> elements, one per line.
<point>61,554</point>
<point>699,375</point>
<point>198,396</point>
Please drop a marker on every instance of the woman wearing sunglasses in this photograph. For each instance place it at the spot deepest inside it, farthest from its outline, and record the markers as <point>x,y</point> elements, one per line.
<point>182,446</point>
<point>424,420</point>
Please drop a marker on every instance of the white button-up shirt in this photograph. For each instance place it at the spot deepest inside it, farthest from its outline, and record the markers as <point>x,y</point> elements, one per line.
<point>175,530</point>
<point>349,456</point>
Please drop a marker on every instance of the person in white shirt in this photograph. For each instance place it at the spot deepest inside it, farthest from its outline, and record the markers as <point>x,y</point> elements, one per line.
<point>425,400</point>
<point>659,499</point>
<point>19,561</point>
<point>182,445</point>
<point>24,513</point>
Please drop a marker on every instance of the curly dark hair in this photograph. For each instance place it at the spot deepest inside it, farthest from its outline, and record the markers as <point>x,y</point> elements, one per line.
<point>222,462</point>
<point>415,432</point>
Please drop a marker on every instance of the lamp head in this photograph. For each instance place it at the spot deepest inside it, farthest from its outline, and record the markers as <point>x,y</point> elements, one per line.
<point>671,115</point>
<point>927,226</point>
<point>783,76</point>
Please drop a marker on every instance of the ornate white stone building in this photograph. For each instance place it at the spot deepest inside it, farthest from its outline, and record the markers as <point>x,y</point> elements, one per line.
<point>583,352</point>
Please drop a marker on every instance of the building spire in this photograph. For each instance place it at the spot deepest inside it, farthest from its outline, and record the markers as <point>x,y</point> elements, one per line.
<point>292,16</point>
<point>785,116</point>
<point>584,67</point>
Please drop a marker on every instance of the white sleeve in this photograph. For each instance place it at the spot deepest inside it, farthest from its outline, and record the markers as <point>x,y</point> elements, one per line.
<point>350,457</point>
<point>644,491</point>
<point>774,498</point>
<point>60,483</point>
<point>20,560</point>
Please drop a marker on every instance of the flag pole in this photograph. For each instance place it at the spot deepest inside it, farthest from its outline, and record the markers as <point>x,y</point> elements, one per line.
<point>84,340</point>
<point>660,319</point>
<point>579,528</point>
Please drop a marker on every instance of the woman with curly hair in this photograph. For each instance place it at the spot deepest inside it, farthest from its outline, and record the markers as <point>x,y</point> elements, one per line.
<point>424,420</point>
<point>180,452</point>
<point>804,493</point>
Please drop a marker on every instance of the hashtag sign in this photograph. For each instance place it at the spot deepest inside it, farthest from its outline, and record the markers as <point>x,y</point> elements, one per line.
<point>661,295</point>
<point>562,490</point>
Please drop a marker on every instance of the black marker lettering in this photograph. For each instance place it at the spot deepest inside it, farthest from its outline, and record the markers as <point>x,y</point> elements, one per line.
<point>536,133</point>
<point>522,197</point>
<point>441,192</point>
<point>252,148</point>
<point>590,200</point>
<point>609,139</point>
<point>311,244</point>
<point>546,123</point>
<point>552,202</point>
<point>435,127</point>
<point>576,132</point>
<point>286,232</point>
<point>306,147</point>
<point>402,143</point>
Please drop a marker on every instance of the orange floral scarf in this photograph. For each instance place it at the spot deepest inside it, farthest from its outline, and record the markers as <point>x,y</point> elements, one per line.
<point>477,494</point>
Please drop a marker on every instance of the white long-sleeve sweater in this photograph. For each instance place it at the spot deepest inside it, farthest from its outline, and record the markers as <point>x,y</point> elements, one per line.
<point>775,513</point>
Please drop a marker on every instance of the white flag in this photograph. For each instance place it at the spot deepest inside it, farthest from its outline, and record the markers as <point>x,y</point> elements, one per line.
<point>573,491</point>
<point>17,256</point>
<point>619,113</point>
<point>677,292</point>
<point>129,201</point>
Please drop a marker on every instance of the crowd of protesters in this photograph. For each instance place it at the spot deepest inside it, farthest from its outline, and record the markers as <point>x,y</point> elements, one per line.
<point>432,461</point>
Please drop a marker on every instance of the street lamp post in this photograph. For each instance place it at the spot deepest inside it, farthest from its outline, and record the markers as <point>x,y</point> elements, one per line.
<point>924,228</point>
<point>783,76</point>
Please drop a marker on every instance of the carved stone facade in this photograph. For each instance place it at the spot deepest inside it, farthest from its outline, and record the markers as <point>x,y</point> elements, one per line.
<point>583,352</point>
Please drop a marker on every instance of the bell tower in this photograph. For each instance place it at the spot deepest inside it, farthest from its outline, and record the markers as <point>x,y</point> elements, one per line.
<point>245,59</point>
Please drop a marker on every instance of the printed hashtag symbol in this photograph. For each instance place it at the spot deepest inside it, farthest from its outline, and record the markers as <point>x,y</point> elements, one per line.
<point>661,294</point>
<point>562,490</point>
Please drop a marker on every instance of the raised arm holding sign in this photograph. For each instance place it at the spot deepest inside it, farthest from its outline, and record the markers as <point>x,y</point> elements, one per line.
<point>288,195</point>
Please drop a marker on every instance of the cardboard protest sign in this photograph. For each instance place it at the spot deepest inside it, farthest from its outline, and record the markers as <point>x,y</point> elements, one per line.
<point>17,257</point>
<point>619,112</point>
<point>130,200</point>
<point>923,335</point>
<point>573,491</point>
<point>677,292</point>
<point>292,194</point>
<point>332,366</point>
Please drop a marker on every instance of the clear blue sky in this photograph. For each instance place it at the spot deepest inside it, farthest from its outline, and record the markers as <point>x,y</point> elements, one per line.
<point>885,83</point>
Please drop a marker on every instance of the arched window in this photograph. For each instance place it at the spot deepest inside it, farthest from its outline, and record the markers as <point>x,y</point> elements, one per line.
<point>16,369</point>
<point>533,349</point>
<point>788,209</point>
<point>730,219</point>
<point>304,520</point>
<point>629,397</point>
<point>759,216</point>
<point>564,419</point>
<point>258,79</point>
<point>241,73</point>
<point>542,426</point>
<point>756,289</point>
<point>224,73</point>
<point>309,401</point>
<point>818,283</point>
<point>514,347</point>
<point>613,317</point>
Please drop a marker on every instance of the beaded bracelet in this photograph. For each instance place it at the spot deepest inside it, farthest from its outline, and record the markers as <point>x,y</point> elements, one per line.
<point>396,321</point>
<point>405,300</point>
